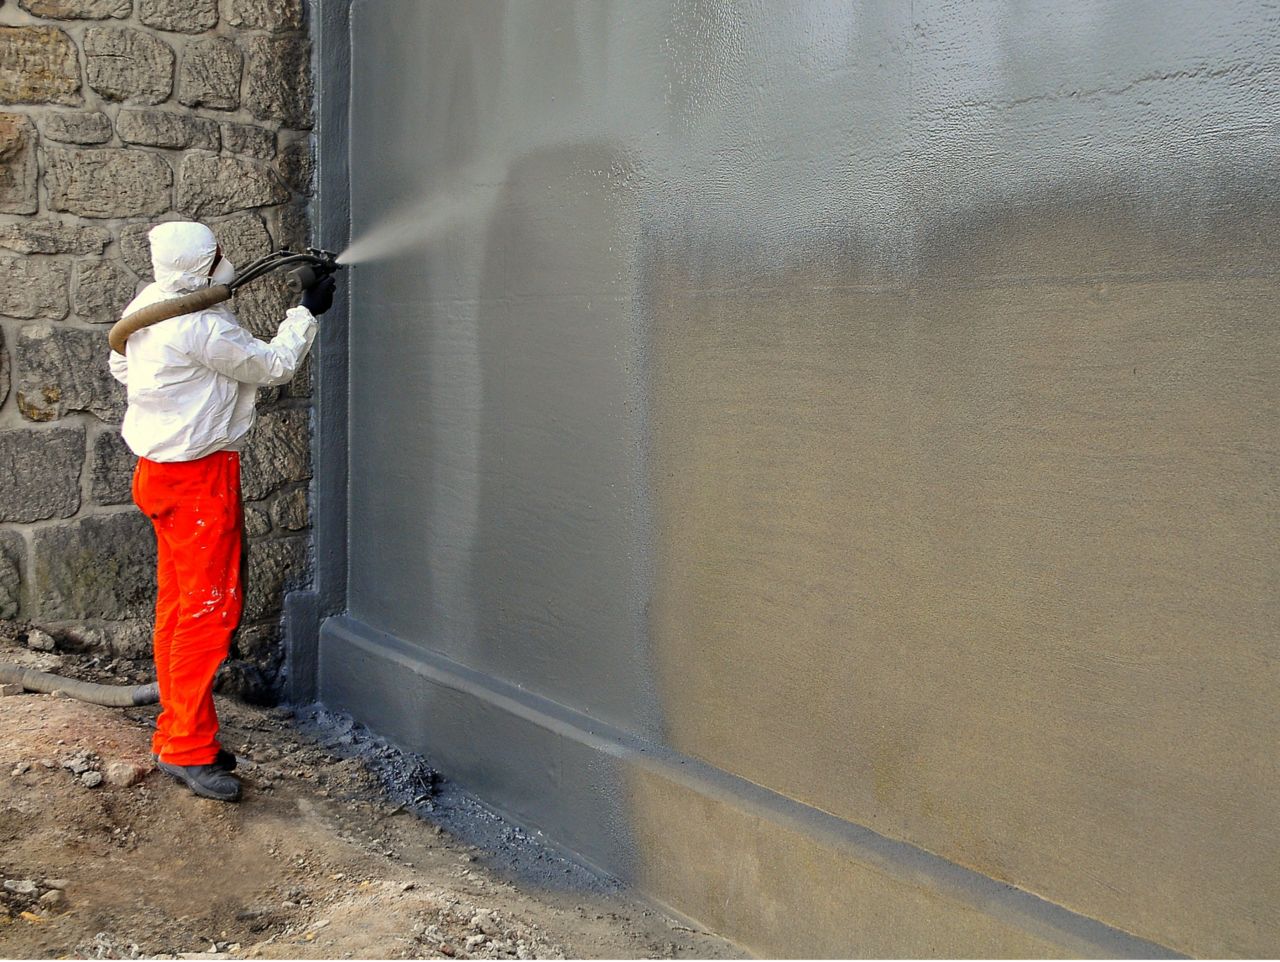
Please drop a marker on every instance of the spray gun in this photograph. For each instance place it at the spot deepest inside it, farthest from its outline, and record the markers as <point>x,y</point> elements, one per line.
<point>307,270</point>
<point>319,265</point>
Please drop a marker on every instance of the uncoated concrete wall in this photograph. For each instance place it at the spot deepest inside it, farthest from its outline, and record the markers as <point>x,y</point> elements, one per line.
<point>118,114</point>
<point>832,461</point>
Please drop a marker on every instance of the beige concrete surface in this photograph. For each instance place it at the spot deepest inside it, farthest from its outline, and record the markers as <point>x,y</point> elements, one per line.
<point>992,571</point>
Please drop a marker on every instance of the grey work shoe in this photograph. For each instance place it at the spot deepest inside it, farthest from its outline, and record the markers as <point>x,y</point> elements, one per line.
<point>207,781</point>
<point>226,760</point>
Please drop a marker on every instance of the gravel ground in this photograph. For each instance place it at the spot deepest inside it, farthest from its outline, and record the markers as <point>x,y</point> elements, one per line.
<point>344,847</point>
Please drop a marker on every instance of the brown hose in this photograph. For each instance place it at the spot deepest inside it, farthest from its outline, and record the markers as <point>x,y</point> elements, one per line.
<point>113,696</point>
<point>186,304</point>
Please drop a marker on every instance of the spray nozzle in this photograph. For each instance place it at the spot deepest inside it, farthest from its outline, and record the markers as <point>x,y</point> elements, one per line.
<point>318,265</point>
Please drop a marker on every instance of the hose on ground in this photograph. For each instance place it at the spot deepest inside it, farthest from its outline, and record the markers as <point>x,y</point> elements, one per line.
<point>112,696</point>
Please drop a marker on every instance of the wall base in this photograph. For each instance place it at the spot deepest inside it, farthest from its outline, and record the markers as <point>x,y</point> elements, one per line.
<point>741,860</point>
<point>301,626</point>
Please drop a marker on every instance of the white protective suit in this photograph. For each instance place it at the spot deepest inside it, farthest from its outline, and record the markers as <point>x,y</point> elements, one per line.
<point>192,380</point>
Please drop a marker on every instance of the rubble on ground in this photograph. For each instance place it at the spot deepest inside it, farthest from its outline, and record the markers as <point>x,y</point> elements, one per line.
<point>344,847</point>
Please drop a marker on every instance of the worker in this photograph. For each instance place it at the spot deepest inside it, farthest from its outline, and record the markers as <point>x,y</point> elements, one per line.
<point>192,385</point>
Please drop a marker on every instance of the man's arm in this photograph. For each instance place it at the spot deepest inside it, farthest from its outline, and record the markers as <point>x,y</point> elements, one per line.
<point>231,350</point>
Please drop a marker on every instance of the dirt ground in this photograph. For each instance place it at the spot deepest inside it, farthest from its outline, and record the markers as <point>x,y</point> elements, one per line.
<point>342,848</point>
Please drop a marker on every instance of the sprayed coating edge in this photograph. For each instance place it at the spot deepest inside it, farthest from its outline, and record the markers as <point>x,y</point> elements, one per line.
<point>330,216</point>
<point>563,774</point>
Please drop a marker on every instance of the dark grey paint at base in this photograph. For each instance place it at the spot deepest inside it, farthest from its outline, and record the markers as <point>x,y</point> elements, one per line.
<point>875,402</point>
<point>559,772</point>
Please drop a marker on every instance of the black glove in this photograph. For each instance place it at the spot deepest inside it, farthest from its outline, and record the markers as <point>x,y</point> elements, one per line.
<point>318,298</point>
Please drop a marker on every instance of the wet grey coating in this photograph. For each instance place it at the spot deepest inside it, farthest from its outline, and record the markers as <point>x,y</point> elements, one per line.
<point>875,402</point>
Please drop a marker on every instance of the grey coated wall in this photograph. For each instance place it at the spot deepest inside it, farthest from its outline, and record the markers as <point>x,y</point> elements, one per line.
<point>873,402</point>
<point>517,363</point>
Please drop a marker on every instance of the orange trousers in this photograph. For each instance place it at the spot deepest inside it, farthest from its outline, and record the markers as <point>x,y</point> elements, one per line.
<point>198,517</point>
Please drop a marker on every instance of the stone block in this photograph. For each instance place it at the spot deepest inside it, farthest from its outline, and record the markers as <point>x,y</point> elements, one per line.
<point>40,473</point>
<point>103,288</point>
<point>108,182</point>
<point>38,65</point>
<point>61,370</point>
<point>243,237</point>
<point>274,566</point>
<point>97,567</point>
<point>75,126</point>
<point>210,74</point>
<point>18,174</point>
<point>297,166</point>
<point>163,128</point>
<point>261,306</point>
<point>135,248</point>
<point>243,681</point>
<point>249,140</point>
<point>53,237</point>
<point>33,287</point>
<point>300,385</point>
<point>278,450</point>
<point>275,15</point>
<point>290,511</point>
<point>111,470</point>
<point>13,554</point>
<point>267,397</point>
<point>292,229</point>
<point>209,184</point>
<point>257,522</point>
<point>130,639</point>
<point>128,65</point>
<point>119,639</point>
<point>181,16</point>
<point>278,80</point>
<point>262,646</point>
<point>78,9</point>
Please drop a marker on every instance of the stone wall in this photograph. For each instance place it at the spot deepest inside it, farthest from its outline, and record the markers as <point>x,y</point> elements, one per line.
<point>114,115</point>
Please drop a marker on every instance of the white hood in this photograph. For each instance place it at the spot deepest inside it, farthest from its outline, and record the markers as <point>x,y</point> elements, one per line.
<point>181,254</point>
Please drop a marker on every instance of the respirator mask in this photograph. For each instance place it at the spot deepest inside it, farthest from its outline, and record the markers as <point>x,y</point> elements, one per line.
<point>223,273</point>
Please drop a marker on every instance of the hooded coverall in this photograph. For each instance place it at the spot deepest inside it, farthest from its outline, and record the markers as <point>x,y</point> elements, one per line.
<point>192,383</point>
